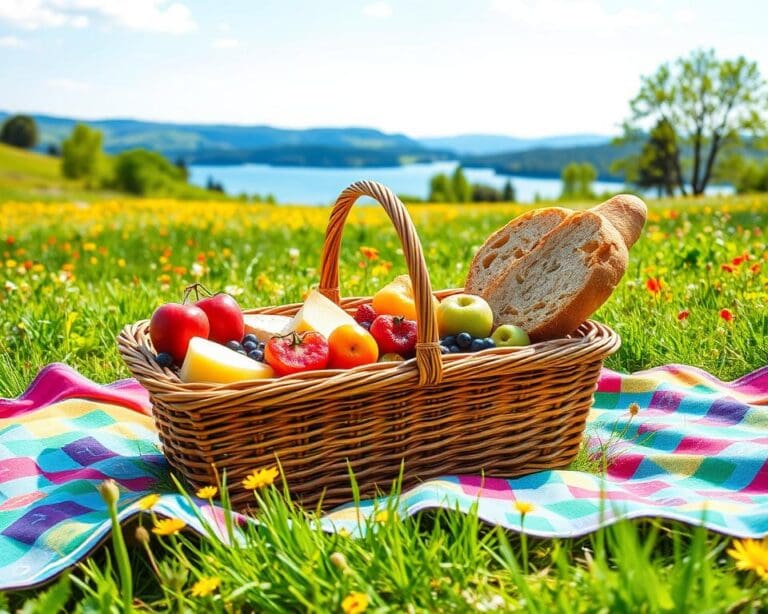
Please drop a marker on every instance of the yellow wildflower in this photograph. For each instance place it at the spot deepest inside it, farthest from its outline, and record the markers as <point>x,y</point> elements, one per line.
<point>168,526</point>
<point>207,492</point>
<point>89,247</point>
<point>384,516</point>
<point>751,555</point>
<point>524,507</point>
<point>354,603</point>
<point>261,478</point>
<point>205,586</point>
<point>148,502</point>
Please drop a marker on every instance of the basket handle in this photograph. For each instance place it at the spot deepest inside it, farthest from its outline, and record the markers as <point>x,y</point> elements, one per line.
<point>428,357</point>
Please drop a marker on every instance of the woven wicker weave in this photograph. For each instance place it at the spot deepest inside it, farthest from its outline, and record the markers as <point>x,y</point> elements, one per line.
<point>504,411</point>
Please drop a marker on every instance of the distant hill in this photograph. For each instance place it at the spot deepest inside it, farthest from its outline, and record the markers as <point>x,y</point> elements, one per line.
<point>549,162</point>
<point>482,144</point>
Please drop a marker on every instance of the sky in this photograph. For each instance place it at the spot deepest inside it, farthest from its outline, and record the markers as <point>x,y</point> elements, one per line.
<point>420,67</point>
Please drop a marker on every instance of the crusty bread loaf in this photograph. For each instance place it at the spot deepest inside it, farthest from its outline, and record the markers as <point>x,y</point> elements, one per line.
<point>510,243</point>
<point>566,277</point>
<point>627,213</point>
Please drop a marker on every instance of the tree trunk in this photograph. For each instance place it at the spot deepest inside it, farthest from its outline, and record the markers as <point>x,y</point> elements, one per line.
<point>696,161</point>
<point>679,173</point>
<point>715,147</point>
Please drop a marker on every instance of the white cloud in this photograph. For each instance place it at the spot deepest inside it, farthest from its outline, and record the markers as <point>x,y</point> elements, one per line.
<point>11,41</point>
<point>68,85</point>
<point>378,10</point>
<point>144,15</point>
<point>225,43</point>
<point>571,15</point>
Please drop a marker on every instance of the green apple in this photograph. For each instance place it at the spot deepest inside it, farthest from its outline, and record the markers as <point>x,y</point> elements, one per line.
<point>464,313</point>
<point>508,335</point>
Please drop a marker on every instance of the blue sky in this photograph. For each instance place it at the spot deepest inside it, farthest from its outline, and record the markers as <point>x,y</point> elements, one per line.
<point>426,68</point>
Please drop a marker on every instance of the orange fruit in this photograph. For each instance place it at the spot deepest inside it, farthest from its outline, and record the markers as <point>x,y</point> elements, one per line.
<point>396,299</point>
<point>350,345</point>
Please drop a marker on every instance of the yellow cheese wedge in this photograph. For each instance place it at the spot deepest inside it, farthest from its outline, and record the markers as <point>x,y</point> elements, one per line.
<point>207,361</point>
<point>265,325</point>
<point>319,314</point>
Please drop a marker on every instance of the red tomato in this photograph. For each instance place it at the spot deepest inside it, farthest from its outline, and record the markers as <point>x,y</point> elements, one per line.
<point>173,325</point>
<point>351,345</point>
<point>296,352</point>
<point>224,316</point>
<point>394,334</point>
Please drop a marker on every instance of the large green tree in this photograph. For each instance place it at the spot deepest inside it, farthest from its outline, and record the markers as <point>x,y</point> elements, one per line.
<point>81,154</point>
<point>19,131</point>
<point>577,178</point>
<point>709,103</point>
<point>657,166</point>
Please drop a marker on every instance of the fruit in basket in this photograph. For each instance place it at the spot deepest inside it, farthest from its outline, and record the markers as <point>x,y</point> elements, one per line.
<point>225,317</point>
<point>509,335</point>
<point>464,342</point>
<point>391,357</point>
<point>318,314</point>
<point>350,345</point>
<point>396,298</point>
<point>394,334</point>
<point>365,314</point>
<point>211,362</point>
<point>464,313</point>
<point>296,352</point>
<point>173,325</point>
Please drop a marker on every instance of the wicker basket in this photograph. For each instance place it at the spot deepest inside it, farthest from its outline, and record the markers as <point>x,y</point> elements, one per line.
<point>503,411</point>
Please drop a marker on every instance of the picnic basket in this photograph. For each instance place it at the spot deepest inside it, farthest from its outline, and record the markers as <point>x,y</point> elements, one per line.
<point>500,412</point>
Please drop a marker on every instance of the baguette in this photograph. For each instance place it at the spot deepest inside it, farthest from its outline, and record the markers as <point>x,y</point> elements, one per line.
<point>510,243</point>
<point>550,290</point>
<point>627,213</point>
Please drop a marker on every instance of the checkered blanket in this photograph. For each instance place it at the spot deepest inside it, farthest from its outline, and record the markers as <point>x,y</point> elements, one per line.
<point>681,445</point>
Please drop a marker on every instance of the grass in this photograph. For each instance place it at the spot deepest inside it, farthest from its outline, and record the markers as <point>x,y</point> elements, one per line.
<point>71,275</point>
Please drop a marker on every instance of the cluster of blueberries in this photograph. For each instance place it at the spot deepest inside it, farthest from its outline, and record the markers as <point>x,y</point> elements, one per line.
<point>464,342</point>
<point>250,346</point>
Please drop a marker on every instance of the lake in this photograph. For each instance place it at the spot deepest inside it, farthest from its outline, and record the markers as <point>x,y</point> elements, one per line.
<point>320,186</point>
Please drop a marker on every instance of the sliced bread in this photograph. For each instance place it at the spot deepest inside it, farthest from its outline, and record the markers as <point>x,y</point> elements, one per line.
<point>510,243</point>
<point>550,290</point>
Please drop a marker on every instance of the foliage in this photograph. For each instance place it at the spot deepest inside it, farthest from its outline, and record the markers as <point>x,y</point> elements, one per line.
<point>577,181</point>
<point>457,189</point>
<point>657,167</point>
<point>142,172</point>
<point>462,190</point>
<point>752,176</point>
<point>19,131</point>
<point>81,155</point>
<point>709,103</point>
<point>441,189</point>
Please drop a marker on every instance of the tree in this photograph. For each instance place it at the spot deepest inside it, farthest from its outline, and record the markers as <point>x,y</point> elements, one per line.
<point>462,190</point>
<point>508,193</point>
<point>577,178</point>
<point>656,166</point>
<point>81,153</point>
<point>19,131</point>
<point>139,171</point>
<point>710,104</point>
<point>441,189</point>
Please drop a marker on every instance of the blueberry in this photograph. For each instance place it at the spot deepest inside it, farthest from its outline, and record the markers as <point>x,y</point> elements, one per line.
<point>366,325</point>
<point>164,359</point>
<point>250,337</point>
<point>477,345</point>
<point>234,345</point>
<point>448,341</point>
<point>249,346</point>
<point>256,355</point>
<point>454,349</point>
<point>444,349</point>
<point>464,340</point>
<point>489,343</point>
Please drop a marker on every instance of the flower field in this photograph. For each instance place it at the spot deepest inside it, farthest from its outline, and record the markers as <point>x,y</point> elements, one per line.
<point>71,275</point>
<point>696,292</point>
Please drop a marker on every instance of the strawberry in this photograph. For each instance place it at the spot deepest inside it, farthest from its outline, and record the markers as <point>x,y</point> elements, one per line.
<point>365,314</point>
<point>394,334</point>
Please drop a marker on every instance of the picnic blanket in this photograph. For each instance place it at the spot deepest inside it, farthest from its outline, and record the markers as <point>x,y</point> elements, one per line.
<point>681,444</point>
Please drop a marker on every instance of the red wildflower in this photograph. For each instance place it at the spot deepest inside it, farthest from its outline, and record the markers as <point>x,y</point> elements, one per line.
<point>739,259</point>
<point>683,314</point>
<point>755,268</point>
<point>726,315</point>
<point>654,285</point>
<point>728,268</point>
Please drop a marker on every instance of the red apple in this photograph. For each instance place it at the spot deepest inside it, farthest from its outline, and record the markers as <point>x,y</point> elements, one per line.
<point>224,316</point>
<point>173,325</point>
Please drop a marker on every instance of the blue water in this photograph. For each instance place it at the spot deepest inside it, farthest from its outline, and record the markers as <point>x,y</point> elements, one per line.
<point>320,186</point>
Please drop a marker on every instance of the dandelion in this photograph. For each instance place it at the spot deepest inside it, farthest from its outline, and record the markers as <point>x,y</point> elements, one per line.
<point>293,254</point>
<point>524,507</point>
<point>147,503</point>
<point>205,586</point>
<point>726,315</point>
<point>384,516</point>
<point>207,492</point>
<point>168,526</point>
<point>89,247</point>
<point>682,315</point>
<point>259,479</point>
<point>354,603</point>
<point>654,285</point>
<point>751,555</point>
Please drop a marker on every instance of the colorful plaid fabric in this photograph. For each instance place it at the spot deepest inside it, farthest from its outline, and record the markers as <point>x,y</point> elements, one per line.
<point>681,445</point>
